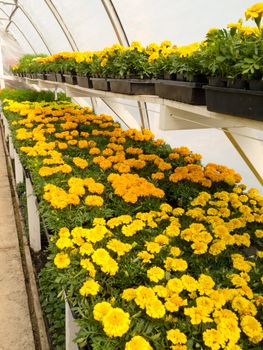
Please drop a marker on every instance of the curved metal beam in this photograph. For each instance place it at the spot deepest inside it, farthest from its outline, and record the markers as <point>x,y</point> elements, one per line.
<point>24,36</point>
<point>22,33</point>
<point>10,17</point>
<point>62,25</point>
<point>35,27</point>
<point>123,40</point>
<point>116,22</point>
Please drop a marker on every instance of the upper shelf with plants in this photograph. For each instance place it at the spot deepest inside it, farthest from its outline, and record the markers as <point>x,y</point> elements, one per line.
<point>228,58</point>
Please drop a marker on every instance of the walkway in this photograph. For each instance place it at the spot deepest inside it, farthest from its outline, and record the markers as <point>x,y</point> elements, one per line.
<point>15,324</point>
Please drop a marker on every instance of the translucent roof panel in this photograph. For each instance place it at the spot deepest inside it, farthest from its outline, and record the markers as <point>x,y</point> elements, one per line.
<point>47,25</point>
<point>6,10</point>
<point>11,50</point>
<point>28,29</point>
<point>181,21</point>
<point>87,22</point>
<point>23,43</point>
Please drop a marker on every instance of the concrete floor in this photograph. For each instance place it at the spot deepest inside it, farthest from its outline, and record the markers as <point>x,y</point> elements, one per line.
<point>15,323</point>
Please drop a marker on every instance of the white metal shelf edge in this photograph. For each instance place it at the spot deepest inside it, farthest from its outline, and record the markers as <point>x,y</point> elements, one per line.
<point>174,115</point>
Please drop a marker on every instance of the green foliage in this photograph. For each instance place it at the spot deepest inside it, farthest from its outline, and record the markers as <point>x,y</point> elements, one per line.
<point>52,302</point>
<point>20,95</point>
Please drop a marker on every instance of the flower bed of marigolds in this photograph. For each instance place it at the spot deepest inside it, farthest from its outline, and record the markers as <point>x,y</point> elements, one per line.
<point>153,249</point>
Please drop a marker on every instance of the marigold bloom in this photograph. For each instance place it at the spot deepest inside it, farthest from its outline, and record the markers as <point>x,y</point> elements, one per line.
<point>62,260</point>
<point>116,322</point>
<point>138,342</point>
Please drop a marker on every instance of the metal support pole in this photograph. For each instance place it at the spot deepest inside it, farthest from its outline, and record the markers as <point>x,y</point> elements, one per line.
<point>251,150</point>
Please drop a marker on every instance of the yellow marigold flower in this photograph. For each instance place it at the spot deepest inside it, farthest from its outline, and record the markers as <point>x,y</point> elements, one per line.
<point>175,285</point>
<point>119,247</point>
<point>143,296</point>
<point>64,232</point>
<point>199,247</point>
<point>90,287</point>
<point>205,303</point>
<point>94,201</point>
<point>217,247</point>
<point>214,339</point>
<point>86,249</point>
<point>157,176</point>
<point>138,343</point>
<point>205,284</point>
<point>83,144</point>
<point>64,242</point>
<point>244,306</point>
<point>107,264</point>
<point>176,336</point>
<point>174,302</point>
<point>100,310</point>
<point>175,251</point>
<point>80,163</point>
<point>254,11</point>
<point>197,315</point>
<point>241,264</point>
<point>145,256</point>
<point>155,308</point>
<point>179,347</point>
<point>252,328</point>
<point>94,151</point>
<point>260,254</point>
<point>175,264</point>
<point>62,260</point>
<point>155,274</point>
<point>129,294</point>
<point>189,283</point>
<point>234,25</point>
<point>161,291</point>
<point>153,247</point>
<point>161,239</point>
<point>87,265</point>
<point>259,233</point>
<point>116,322</point>
<point>166,208</point>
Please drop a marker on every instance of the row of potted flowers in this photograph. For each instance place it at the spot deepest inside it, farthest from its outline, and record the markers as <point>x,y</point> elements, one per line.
<point>154,250</point>
<point>228,58</point>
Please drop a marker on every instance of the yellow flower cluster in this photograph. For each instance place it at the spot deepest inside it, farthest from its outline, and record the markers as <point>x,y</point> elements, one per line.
<point>115,321</point>
<point>131,186</point>
<point>205,175</point>
<point>80,163</point>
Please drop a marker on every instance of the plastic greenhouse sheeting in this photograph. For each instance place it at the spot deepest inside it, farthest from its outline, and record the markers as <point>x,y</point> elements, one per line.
<point>181,21</point>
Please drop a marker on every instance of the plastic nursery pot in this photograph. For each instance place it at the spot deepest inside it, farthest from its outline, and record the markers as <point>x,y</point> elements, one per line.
<point>168,76</point>
<point>51,76</point>
<point>217,81</point>
<point>255,85</point>
<point>196,78</point>
<point>181,91</point>
<point>238,102</point>
<point>70,79</point>
<point>100,84</point>
<point>42,76</point>
<point>60,77</point>
<point>84,81</point>
<point>236,83</point>
<point>133,86</point>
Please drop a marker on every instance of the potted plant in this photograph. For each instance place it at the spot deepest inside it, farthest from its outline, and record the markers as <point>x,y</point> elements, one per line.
<point>184,67</point>
<point>131,71</point>
<point>83,68</point>
<point>239,57</point>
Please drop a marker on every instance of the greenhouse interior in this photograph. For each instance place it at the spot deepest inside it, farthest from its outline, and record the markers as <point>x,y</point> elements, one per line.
<point>131,174</point>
